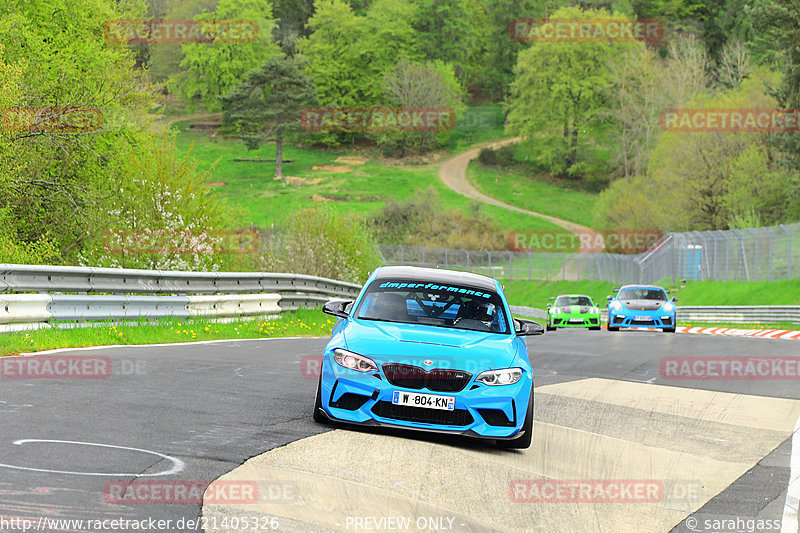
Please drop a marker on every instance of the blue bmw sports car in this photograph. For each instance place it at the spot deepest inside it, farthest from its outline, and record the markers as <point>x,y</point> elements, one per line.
<point>432,350</point>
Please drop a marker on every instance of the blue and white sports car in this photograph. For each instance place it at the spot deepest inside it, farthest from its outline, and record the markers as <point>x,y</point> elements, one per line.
<point>642,306</point>
<point>433,350</point>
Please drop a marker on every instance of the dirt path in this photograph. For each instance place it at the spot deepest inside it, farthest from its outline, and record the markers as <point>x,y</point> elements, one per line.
<point>453,173</point>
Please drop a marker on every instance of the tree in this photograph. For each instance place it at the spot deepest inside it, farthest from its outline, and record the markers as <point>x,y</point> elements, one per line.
<point>643,86</point>
<point>269,104</point>
<point>213,69</point>
<point>56,63</point>
<point>446,32</point>
<point>330,52</point>
<point>431,85</point>
<point>559,91</point>
<point>780,20</point>
<point>709,180</point>
<point>493,67</point>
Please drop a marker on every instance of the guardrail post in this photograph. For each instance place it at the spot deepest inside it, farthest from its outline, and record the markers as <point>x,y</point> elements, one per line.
<point>547,266</point>
<point>530,265</point>
<point>788,252</point>
<point>755,259</point>
<point>771,248</point>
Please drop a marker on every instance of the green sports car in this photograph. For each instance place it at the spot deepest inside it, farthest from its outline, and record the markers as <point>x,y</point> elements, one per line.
<point>573,311</point>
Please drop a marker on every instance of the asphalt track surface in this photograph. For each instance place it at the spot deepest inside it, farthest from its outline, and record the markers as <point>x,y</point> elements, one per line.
<point>197,412</point>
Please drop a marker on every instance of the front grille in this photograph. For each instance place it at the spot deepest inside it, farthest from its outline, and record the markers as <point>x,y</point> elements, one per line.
<point>350,401</point>
<point>438,379</point>
<point>642,323</point>
<point>456,417</point>
<point>619,319</point>
<point>495,417</point>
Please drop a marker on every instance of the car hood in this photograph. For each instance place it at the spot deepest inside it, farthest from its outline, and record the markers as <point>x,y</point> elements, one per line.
<point>575,309</point>
<point>412,344</point>
<point>643,305</point>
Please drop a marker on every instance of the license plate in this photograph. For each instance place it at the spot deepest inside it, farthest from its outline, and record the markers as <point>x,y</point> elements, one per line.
<point>576,321</point>
<point>430,401</point>
<point>642,318</point>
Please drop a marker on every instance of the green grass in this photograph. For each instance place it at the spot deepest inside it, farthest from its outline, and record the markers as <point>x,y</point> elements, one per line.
<point>262,201</point>
<point>536,293</point>
<point>777,325</point>
<point>291,324</point>
<point>516,188</point>
<point>738,293</point>
<point>481,123</point>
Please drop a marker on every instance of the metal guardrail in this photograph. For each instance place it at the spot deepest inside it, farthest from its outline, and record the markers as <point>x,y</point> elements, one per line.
<point>118,294</point>
<point>47,279</point>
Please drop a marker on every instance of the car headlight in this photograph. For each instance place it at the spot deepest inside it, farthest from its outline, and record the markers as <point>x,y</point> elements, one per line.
<point>594,311</point>
<point>555,311</point>
<point>353,361</point>
<point>616,306</point>
<point>669,307</point>
<point>505,376</point>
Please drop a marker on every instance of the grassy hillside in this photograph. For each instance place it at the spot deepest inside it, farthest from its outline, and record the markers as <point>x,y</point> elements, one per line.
<point>534,194</point>
<point>354,183</point>
<point>536,293</point>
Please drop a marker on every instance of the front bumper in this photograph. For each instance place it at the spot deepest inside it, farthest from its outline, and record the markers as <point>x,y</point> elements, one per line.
<point>641,319</point>
<point>574,321</point>
<point>480,410</point>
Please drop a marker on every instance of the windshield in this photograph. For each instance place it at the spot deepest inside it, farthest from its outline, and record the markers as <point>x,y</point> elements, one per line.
<point>641,294</point>
<point>449,306</point>
<point>565,301</point>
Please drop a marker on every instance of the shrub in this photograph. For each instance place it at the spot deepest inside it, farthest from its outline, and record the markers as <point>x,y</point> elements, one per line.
<point>318,241</point>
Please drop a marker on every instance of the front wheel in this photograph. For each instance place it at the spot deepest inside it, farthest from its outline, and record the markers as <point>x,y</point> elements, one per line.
<point>318,416</point>
<point>523,442</point>
<point>612,328</point>
<point>669,330</point>
<point>595,328</point>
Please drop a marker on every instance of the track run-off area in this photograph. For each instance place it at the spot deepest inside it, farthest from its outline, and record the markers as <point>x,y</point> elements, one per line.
<point>620,444</point>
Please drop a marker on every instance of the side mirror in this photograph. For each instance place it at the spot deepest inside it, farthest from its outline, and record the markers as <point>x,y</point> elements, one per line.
<point>548,306</point>
<point>527,327</point>
<point>674,298</point>
<point>337,308</point>
<point>609,298</point>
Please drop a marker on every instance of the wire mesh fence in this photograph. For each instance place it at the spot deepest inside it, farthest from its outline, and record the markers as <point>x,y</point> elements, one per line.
<point>752,254</point>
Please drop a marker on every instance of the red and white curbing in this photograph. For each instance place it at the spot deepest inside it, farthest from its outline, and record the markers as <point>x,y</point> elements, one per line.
<point>761,333</point>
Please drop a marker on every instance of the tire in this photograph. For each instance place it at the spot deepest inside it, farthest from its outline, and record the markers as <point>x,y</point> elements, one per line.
<point>523,442</point>
<point>550,328</point>
<point>669,330</point>
<point>613,328</point>
<point>319,417</point>
<point>594,328</point>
